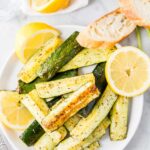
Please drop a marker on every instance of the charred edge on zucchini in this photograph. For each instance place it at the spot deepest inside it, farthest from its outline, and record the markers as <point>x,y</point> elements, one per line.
<point>70,106</point>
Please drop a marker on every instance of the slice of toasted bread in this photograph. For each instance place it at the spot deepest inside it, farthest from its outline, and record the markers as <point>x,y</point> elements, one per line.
<point>137,11</point>
<point>106,31</point>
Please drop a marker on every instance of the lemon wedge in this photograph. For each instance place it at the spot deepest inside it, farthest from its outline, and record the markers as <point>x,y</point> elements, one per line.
<point>12,112</point>
<point>31,37</point>
<point>128,71</point>
<point>49,6</point>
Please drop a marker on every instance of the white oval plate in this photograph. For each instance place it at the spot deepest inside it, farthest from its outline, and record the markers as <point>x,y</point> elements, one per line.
<point>8,81</point>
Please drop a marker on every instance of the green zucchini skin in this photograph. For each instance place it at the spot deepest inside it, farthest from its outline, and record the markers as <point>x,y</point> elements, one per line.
<point>100,80</point>
<point>60,57</point>
<point>32,133</point>
<point>25,88</point>
<point>66,74</point>
<point>99,73</point>
<point>53,102</point>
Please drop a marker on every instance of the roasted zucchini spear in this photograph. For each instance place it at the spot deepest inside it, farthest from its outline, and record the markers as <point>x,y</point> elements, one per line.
<point>75,144</point>
<point>36,106</point>
<point>100,80</point>
<point>61,56</point>
<point>87,125</point>
<point>66,108</point>
<point>30,71</point>
<point>49,141</point>
<point>87,57</point>
<point>63,86</point>
<point>119,119</point>
<point>25,88</point>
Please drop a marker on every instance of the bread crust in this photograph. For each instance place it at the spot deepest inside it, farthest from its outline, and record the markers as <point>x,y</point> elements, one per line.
<point>127,7</point>
<point>85,40</point>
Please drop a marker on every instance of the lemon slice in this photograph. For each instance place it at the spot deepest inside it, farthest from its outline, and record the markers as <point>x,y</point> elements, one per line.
<point>128,71</point>
<point>48,6</point>
<point>31,37</point>
<point>12,113</point>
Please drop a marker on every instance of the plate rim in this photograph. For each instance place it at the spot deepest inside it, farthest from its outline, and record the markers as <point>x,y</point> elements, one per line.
<point>13,53</point>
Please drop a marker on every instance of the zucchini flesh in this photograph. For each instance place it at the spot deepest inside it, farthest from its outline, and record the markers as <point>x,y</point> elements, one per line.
<point>25,88</point>
<point>72,122</point>
<point>39,102</point>
<point>30,71</point>
<point>100,80</point>
<point>66,108</point>
<point>60,57</point>
<point>87,57</point>
<point>93,146</point>
<point>119,119</point>
<point>63,86</point>
<point>49,141</point>
<point>86,125</point>
<point>34,109</point>
<point>36,106</point>
<point>75,144</point>
<point>96,135</point>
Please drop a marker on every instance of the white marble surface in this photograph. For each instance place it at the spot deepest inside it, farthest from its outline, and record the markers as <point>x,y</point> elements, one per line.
<point>96,8</point>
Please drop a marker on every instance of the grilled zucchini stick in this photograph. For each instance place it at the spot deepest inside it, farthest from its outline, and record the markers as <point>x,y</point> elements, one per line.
<point>87,57</point>
<point>36,106</point>
<point>93,146</point>
<point>49,141</point>
<point>63,86</point>
<point>119,119</point>
<point>24,88</point>
<point>60,57</point>
<point>75,144</point>
<point>66,108</point>
<point>87,125</point>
